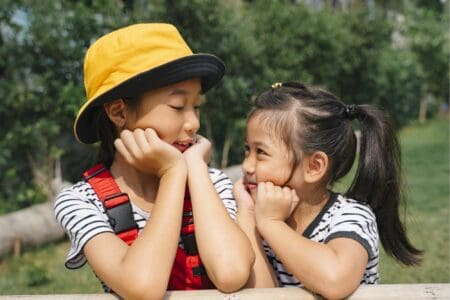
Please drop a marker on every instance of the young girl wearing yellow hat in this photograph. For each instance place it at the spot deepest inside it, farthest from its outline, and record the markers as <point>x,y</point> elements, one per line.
<point>144,88</point>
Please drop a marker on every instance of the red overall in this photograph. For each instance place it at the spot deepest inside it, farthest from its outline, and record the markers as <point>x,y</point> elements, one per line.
<point>187,272</point>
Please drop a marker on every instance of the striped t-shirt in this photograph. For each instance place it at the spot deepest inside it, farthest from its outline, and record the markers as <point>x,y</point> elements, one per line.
<point>341,217</point>
<point>82,216</point>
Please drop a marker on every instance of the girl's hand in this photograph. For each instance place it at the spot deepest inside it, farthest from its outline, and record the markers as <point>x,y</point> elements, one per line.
<point>274,203</point>
<point>199,151</point>
<point>243,198</point>
<point>145,151</point>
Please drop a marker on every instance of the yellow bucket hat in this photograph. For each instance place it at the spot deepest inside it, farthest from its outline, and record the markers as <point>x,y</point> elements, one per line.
<point>136,59</point>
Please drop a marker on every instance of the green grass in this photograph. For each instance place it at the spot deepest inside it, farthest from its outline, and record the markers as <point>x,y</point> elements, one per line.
<point>426,164</point>
<point>42,271</point>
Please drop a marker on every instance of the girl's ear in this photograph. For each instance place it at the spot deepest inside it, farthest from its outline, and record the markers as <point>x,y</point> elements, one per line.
<point>116,112</point>
<point>315,167</point>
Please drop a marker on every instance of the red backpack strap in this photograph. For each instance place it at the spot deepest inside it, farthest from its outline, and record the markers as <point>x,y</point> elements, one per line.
<point>117,204</point>
<point>187,226</point>
<point>188,272</point>
<point>190,245</point>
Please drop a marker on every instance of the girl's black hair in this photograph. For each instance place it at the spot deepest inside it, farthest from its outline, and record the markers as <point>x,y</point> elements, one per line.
<point>309,119</point>
<point>107,133</point>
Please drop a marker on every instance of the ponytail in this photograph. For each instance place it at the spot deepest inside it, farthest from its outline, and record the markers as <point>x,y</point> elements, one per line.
<point>378,182</point>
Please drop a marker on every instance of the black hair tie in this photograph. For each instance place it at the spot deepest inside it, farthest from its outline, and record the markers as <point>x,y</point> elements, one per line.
<point>351,111</point>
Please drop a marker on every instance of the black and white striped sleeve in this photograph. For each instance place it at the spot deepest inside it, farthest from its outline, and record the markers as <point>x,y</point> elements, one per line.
<point>81,219</point>
<point>224,188</point>
<point>356,221</point>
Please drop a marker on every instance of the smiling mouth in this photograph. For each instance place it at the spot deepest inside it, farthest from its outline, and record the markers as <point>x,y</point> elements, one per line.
<point>182,146</point>
<point>250,186</point>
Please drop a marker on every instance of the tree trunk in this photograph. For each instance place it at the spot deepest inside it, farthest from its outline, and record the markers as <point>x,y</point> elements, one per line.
<point>226,148</point>
<point>34,225</point>
<point>423,111</point>
<point>28,227</point>
<point>209,135</point>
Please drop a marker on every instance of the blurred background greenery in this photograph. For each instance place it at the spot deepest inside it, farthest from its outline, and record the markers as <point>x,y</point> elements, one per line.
<point>390,53</point>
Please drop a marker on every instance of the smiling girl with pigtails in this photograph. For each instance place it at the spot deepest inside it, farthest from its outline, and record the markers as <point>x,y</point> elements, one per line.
<point>299,142</point>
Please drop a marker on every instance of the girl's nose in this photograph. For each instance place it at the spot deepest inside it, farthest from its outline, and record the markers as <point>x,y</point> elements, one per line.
<point>192,122</point>
<point>248,165</point>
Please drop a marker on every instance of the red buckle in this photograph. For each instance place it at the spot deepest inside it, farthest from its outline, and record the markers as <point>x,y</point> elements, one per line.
<point>115,200</point>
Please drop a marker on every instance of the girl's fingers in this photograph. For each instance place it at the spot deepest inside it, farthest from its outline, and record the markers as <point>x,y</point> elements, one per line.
<point>239,184</point>
<point>261,190</point>
<point>286,193</point>
<point>198,139</point>
<point>141,140</point>
<point>151,135</point>
<point>269,185</point>
<point>239,188</point>
<point>129,142</point>
<point>294,202</point>
<point>243,198</point>
<point>294,196</point>
<point>268,188</point>
<point>201,140</point>
<point>275,202</point>
<point>120,147</point>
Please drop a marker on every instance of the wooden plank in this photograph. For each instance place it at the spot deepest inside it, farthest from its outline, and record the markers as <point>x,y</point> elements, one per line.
<point>436,291</point>
<point>403,291</point>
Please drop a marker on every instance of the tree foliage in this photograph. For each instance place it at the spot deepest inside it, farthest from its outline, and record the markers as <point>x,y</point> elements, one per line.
<point>42,45</point>
<point>389,57</point>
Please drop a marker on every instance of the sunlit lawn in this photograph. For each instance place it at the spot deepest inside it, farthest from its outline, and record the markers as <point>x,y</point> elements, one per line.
<point>426,161</point>
<point>42,271</point>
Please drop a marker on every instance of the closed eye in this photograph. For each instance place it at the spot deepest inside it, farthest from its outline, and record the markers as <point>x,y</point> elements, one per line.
<point>177,108</point>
